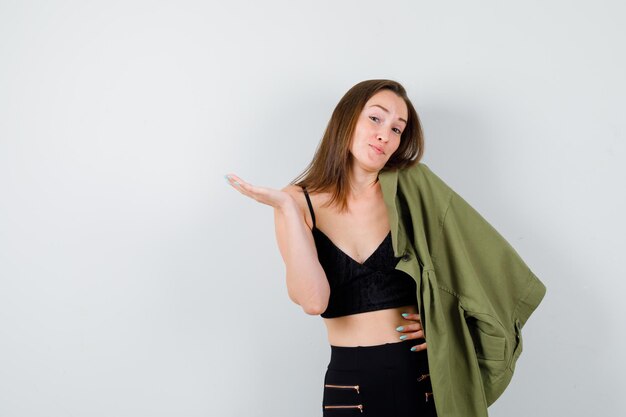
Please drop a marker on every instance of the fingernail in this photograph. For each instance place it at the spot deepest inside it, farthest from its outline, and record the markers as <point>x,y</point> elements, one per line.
<point>413,349</point>
<point>403,337</point>
<point>399,328</point>
<point>405,315</point>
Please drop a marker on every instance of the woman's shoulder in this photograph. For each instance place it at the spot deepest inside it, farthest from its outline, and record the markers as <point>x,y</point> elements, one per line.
<point>292,189</point>
<point>297,193</point>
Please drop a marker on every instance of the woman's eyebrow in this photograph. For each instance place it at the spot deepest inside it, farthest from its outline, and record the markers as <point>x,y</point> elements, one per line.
<point>378,105</point>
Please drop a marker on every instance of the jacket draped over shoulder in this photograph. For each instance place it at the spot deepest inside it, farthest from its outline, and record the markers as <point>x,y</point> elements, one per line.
<point>474,291</point>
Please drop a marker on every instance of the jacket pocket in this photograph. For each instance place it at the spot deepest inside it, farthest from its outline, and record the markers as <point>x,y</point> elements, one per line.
<point>487,346</point>
<point>490,344</point>
<point>487,336</point>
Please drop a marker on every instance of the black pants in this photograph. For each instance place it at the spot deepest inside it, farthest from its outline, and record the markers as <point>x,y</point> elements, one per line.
<point>378,381</point>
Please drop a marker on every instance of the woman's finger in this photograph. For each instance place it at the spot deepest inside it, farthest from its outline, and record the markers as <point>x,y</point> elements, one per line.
<point>414,335</point>
<point>243,187</point>
<point>236,182</point>
<point>411,316</point>
<point>418,348</point>
<point>411,331</point>
<point>410,327</point>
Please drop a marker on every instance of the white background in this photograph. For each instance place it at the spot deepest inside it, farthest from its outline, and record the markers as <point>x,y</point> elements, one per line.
<point>135,282</point>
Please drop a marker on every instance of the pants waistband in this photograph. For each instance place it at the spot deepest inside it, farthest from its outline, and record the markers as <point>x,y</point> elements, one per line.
<point>395,354</point>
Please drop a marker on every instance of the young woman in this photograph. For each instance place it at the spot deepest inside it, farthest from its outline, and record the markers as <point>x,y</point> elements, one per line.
<point>356,230</point>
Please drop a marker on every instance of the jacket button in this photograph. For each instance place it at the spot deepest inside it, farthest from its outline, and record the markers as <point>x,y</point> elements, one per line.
<point>406,257</point>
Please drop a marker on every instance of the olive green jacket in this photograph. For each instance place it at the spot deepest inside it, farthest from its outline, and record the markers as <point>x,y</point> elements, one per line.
<point>474,291</point>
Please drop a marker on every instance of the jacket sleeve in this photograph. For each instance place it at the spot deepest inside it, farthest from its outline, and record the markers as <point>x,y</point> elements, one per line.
<point>495,290</point>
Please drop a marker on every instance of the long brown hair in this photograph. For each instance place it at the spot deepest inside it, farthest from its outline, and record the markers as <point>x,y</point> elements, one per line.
<point>329,169</point>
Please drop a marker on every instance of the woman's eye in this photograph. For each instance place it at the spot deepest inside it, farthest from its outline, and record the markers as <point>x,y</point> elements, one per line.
<point>398,131</point>
<point>374,118</point>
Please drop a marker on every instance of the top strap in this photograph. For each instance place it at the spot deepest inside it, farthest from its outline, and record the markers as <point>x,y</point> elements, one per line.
<point>308,200</point>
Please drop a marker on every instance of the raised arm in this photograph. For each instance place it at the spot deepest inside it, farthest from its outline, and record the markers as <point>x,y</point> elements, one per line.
<point>307,285</point>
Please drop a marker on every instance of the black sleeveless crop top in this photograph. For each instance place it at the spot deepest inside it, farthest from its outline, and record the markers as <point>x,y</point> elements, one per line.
<point>357,287</point>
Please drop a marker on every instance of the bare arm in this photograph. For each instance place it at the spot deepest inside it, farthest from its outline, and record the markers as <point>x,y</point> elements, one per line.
<point>307,284</point>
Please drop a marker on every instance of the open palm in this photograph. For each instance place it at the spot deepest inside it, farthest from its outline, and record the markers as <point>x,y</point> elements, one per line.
<point>265,195</point>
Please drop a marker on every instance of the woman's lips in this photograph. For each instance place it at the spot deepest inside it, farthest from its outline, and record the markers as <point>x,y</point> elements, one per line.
<point>377,149</point>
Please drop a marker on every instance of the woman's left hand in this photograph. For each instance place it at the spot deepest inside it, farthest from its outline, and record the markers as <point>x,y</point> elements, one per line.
<point>413,331</point>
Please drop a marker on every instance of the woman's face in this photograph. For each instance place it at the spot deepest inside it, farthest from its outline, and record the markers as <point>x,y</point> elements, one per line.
<point>378,130</point>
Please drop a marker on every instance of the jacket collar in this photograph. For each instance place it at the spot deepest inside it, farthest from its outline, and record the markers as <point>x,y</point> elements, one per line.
<point>389,185</point>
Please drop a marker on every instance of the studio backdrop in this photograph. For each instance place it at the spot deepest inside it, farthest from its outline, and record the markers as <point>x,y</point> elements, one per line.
<point>134,281</point>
